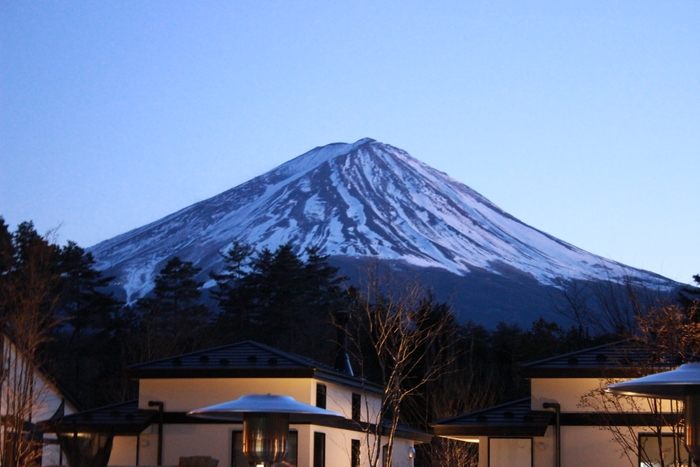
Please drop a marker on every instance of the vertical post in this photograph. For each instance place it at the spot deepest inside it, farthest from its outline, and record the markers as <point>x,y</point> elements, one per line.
<point>160,406</point>
<point>557,448</point>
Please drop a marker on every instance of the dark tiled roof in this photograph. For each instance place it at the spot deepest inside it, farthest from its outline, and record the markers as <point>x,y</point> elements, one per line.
<point>407,432</point>
<point>124,418</point>
<point>622,359</point>
<point>248,359</point>
<point>510,419</point>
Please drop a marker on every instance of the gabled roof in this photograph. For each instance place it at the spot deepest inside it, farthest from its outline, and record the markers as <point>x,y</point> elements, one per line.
<point>248,359</point>
<point>510,419</point>
<point>622,359</point>
<point>124,418</point>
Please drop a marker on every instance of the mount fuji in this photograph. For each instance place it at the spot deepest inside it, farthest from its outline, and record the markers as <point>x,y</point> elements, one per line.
<point>370,200</point>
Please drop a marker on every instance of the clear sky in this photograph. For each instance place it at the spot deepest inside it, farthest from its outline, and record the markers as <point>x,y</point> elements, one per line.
<point>580,118</point>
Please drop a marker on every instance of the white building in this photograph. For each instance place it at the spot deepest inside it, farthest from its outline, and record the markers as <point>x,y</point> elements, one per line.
<point>524,433</point>
<point>155,429</point>
<point>28,396</point>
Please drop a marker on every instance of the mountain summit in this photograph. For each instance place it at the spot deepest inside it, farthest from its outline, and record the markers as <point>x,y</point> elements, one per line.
<point>366,199</point>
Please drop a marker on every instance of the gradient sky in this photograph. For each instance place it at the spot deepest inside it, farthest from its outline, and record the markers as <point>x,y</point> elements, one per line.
<point>580,118</point>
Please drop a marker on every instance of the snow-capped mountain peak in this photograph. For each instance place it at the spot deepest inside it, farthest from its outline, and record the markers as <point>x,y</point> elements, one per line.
<point>365,199</point>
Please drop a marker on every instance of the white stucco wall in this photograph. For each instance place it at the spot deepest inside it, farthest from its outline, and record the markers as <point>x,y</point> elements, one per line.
<point>339,400</point>
<point>216,441</point>
<point>183,395</point>
<point>569,391</point>
<point>123,451</point>
<point>566,391</point>
<point>46,397</point>
<point>581,447</point>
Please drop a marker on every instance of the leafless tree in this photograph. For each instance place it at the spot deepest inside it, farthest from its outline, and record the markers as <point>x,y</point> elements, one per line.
<point>663,419</point>
<point>393,330</point>
<point>463,390</point>
<point>27,301</point>
<point>470,383</point>
<point>670,331</point>
<point>606,306</point>
<point>573,302</point>
<point>671,334</point>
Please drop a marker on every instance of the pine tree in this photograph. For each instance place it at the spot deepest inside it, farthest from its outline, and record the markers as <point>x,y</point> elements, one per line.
<point>87,348</point>
<point>171,319</point>
<point>84,301</point>
<point>689,299</point>
<point>280,299</point>
<point>235,321</point>
<point>6,248</point>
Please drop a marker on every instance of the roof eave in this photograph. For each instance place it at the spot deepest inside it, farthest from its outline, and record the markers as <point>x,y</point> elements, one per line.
<point>452,431</point>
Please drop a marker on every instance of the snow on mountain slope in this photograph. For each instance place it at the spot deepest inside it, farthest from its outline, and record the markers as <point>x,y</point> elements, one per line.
<point>366,199</point>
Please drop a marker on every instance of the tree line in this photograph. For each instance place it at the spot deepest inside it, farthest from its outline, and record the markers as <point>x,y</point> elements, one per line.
<point>56,308</point>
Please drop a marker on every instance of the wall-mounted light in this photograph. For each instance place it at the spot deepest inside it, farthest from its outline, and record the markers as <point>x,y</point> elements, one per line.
<point>683,383</point>
<point>265,423</point>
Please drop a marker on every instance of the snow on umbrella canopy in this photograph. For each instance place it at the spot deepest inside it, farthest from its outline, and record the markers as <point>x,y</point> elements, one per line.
<point>265,422</point>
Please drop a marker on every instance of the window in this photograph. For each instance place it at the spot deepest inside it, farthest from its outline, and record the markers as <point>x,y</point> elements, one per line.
<point>319,449</point>
<point>355,453</point>
<point>239,460</point>
<point>356,406</point>
<point>321,395</point>
<point>672,449</point>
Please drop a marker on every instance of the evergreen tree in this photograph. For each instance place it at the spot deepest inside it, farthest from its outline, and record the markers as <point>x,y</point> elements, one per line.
<point>235,322</point>
<point>28,257</point>
<point>171,319</point>
<point>689,299</point>
<point>87,348</point>
<point>280,299</point>
<point>84,301</point>
<point>6,248</point>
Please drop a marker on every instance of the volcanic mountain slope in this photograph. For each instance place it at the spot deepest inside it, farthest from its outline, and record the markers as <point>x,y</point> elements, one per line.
<point>354,201</point>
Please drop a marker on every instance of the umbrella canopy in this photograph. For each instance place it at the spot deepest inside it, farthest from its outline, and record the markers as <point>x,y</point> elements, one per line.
<point>683,383</point>
<point>259,403</point>
<point>675,384</point>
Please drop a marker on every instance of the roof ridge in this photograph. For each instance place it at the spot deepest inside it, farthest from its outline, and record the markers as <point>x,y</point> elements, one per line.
<point>487,409</point>
<point>576,352</point>
<point>290,356</point>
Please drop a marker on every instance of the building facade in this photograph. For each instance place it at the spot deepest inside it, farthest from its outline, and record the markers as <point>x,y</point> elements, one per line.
<point>156,430</point>
<point>28,396</point>
<point>569,421</point>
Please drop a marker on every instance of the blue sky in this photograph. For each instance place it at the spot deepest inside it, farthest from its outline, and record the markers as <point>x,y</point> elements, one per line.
<point>581,118</point>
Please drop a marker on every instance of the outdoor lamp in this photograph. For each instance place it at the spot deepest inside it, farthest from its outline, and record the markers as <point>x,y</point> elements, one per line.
<point>683,383</point>
<point>265,423</point>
